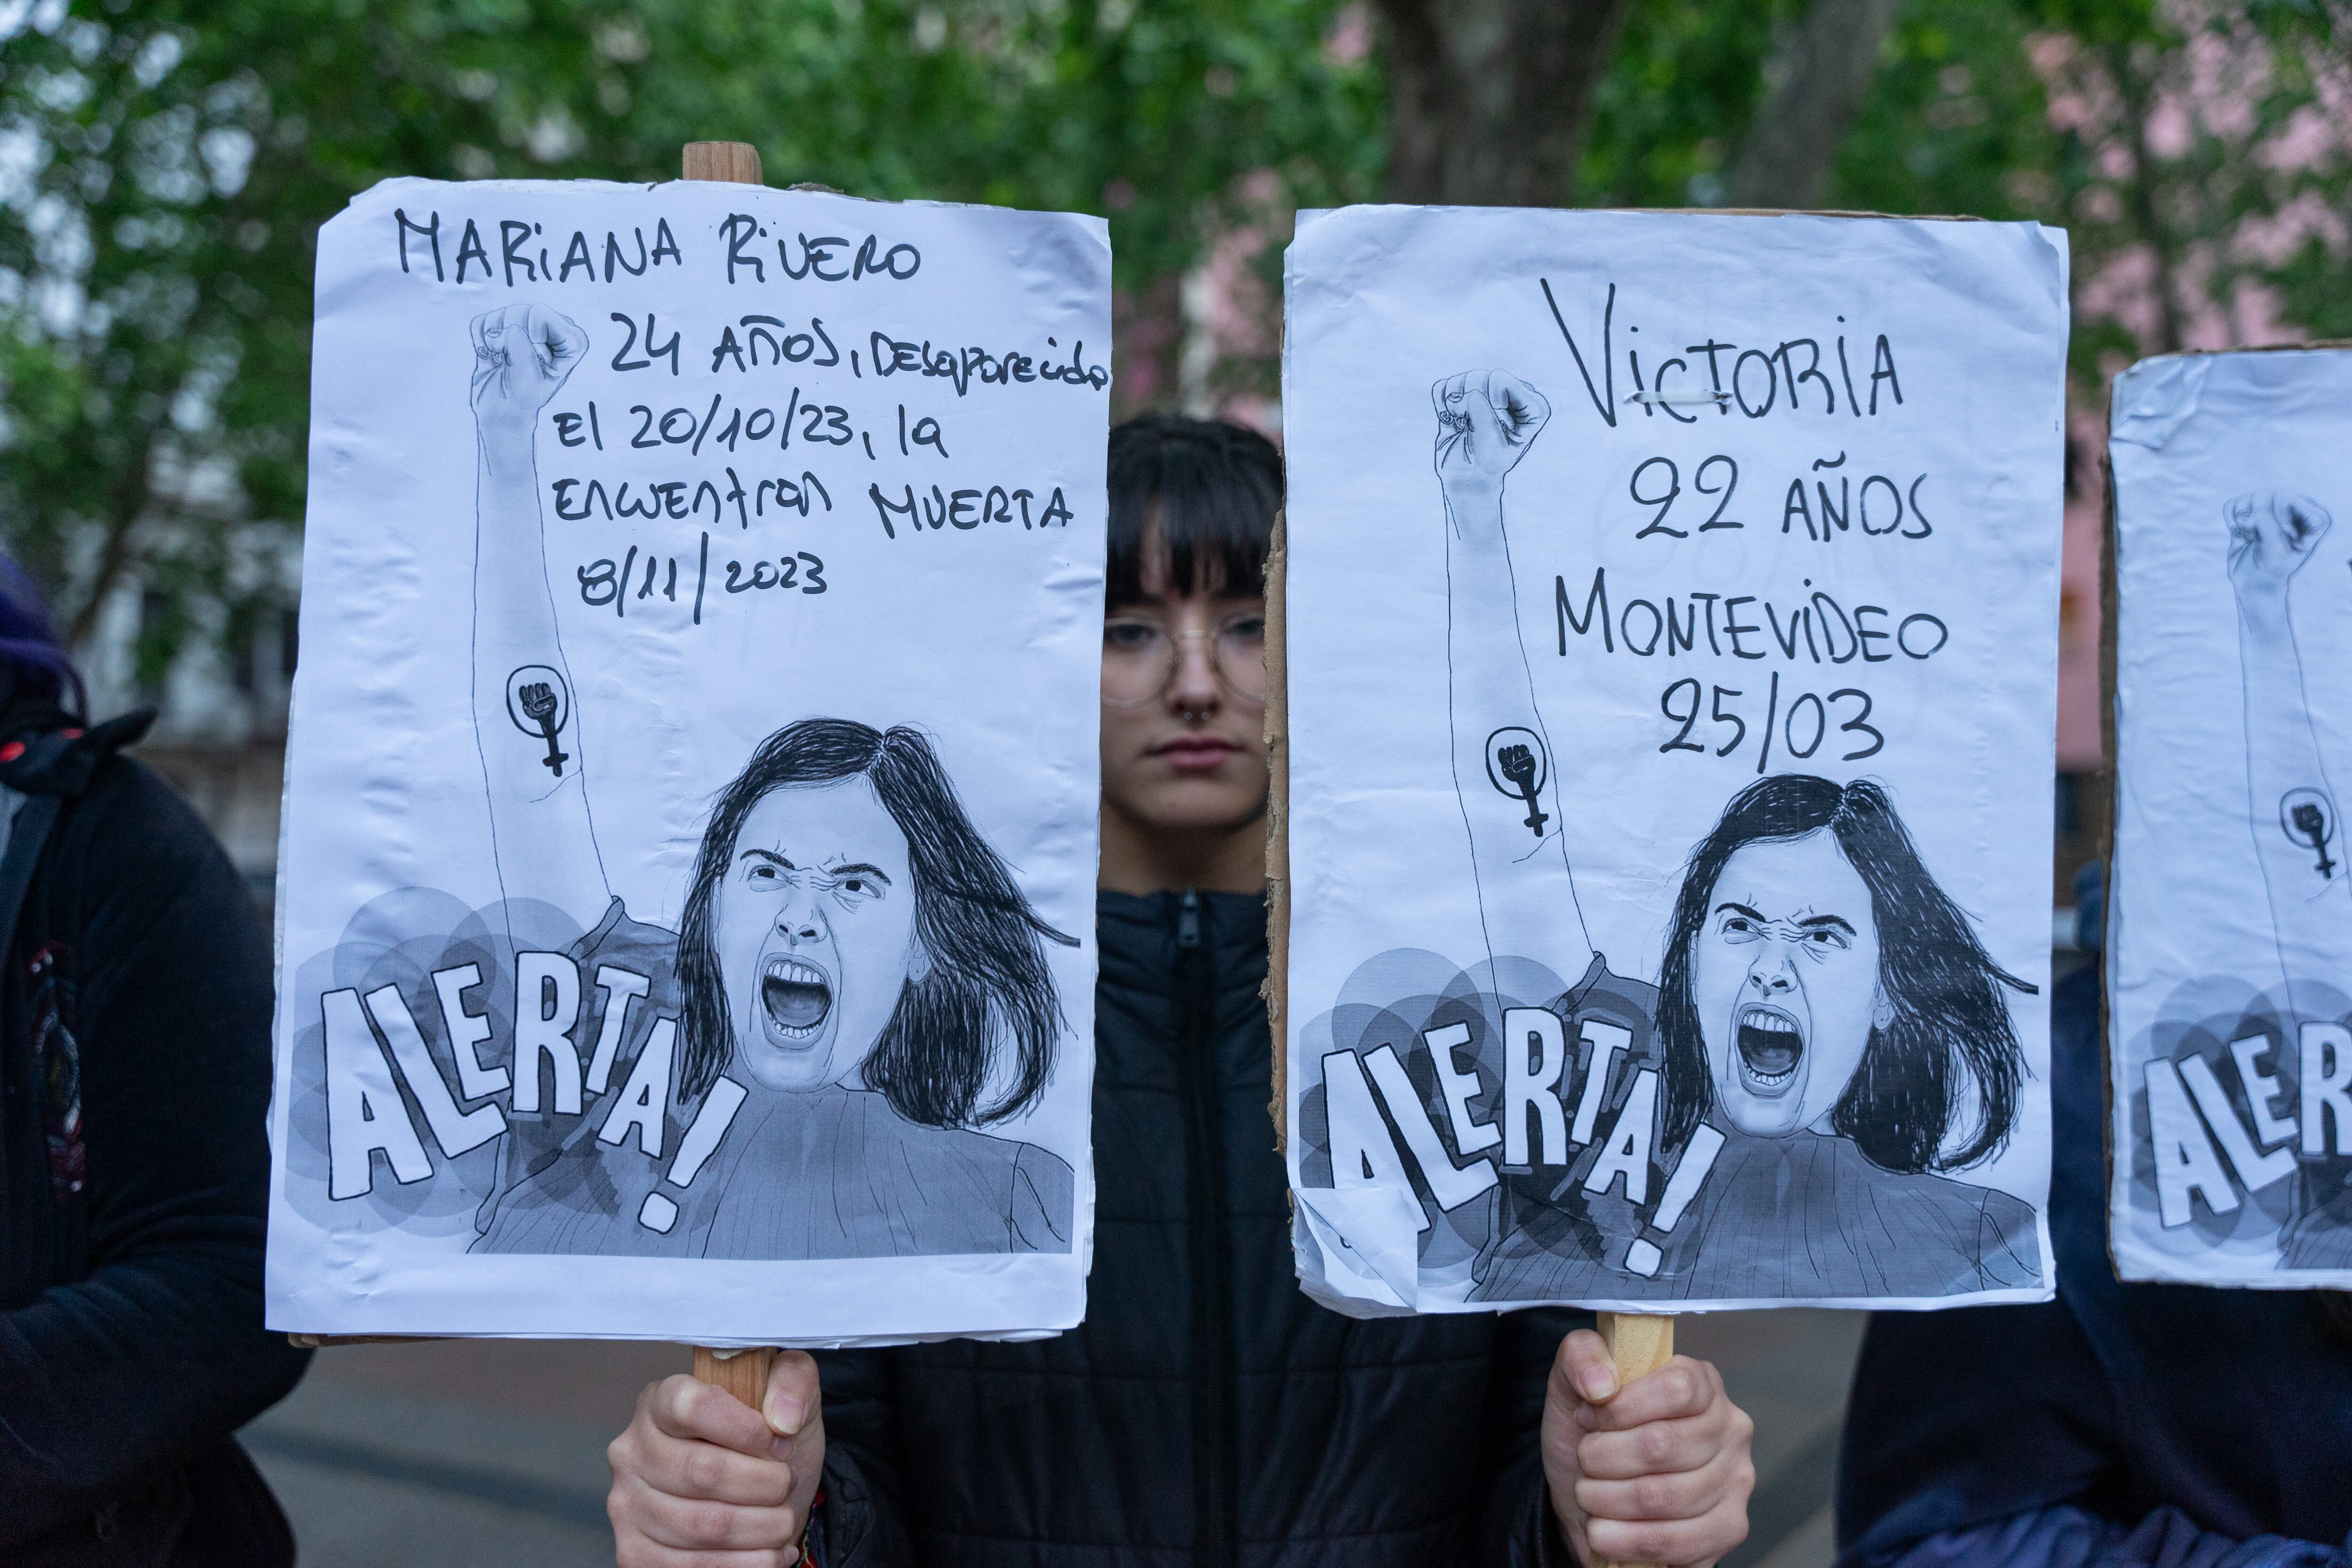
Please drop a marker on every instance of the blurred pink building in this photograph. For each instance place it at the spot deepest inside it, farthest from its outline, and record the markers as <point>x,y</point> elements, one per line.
<point>2081,745</point>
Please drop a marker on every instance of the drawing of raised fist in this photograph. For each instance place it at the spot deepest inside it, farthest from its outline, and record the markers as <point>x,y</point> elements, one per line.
<point>538,702</point>
<point>2272,534</point>
<point>1487,420</point>
<point>522,354</point>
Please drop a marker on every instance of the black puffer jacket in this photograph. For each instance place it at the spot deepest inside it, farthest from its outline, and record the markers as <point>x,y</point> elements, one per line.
<point>135,1078</point>
<point>1206,1411</point>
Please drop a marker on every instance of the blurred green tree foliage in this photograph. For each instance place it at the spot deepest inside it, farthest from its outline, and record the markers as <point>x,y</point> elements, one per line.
<point>164,166</point>
<point>2199,158</point>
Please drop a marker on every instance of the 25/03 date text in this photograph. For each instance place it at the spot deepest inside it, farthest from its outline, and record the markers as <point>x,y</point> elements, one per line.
<point>1799,728</point>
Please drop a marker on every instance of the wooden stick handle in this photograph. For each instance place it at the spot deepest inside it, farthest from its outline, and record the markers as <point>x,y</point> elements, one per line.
<point>1278,825</point>
<point>743,1374</point>
<point>1640,1344</point>
<point>735,161</point>
<point>320,1342</point>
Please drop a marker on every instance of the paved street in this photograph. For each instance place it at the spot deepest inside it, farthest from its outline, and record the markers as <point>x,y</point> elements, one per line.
<point>1790,1371</point>
<point>458,1452</point>
<point>454,1453</point>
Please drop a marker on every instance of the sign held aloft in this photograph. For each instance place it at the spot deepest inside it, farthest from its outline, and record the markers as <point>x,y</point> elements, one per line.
<point>2229,930</point>
<point>672,949</point>
<point>1672,616</point>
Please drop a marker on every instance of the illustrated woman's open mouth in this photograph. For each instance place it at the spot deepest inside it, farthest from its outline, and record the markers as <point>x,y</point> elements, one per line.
<point>797,995</point>
<point>1771,1045</point>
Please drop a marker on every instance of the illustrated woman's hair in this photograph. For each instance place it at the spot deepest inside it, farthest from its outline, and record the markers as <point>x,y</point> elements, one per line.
<point>37,668</point>
<point>1203,492</point>
<point>1951,1031</point>
<point>988,985</point>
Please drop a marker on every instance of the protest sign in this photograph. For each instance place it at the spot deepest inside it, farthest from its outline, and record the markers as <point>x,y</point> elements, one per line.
<point>1680,589</point>
<point>2230,924</point>
<point>671,945</point>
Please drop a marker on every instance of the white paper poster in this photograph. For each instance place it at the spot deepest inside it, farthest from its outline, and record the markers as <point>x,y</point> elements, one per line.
<point>1672,649</point>
<point>687,889</point>
<point>2229,930</point>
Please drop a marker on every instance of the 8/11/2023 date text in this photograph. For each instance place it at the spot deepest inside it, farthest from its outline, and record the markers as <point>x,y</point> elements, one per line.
<point>645,575</point>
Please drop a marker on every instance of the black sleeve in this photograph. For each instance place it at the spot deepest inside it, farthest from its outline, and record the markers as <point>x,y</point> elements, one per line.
<point>863,1525</point>
<point>1967,1415</point>
<point>159,1354</point>
<point>1513,1524</point>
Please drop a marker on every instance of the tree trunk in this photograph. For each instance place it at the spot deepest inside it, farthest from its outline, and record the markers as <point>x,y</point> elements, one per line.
<point>1488,98</point>
<point>127,500</point>
<point>1819,76</point>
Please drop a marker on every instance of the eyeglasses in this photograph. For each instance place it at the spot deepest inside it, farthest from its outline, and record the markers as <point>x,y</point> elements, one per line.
<point>1140,657</point>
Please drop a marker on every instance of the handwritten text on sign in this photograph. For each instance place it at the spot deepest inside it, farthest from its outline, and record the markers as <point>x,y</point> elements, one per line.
<point>777,440</point>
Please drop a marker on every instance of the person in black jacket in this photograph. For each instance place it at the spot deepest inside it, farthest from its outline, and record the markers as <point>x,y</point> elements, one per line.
<point>1206,1411</point>
<point>134,1048</point>
<point>2129,1426</point>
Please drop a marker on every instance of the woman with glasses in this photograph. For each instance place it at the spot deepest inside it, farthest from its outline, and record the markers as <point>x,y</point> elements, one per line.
<point>1207,1411</point>
<point>1183,720</point>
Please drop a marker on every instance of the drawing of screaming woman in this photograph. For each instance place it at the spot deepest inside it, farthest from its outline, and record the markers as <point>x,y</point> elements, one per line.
<point>855,975</point>
<point>1823,1012</point>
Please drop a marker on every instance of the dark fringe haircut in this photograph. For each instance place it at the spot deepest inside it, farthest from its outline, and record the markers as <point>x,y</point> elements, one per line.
<point>1943,987</point>
<point>988,977</point>
<point>1209,491</point>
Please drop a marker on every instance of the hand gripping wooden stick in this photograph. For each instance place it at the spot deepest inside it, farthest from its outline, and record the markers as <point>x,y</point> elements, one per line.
<point>743,1374</point>
<point>1640,1344</point>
